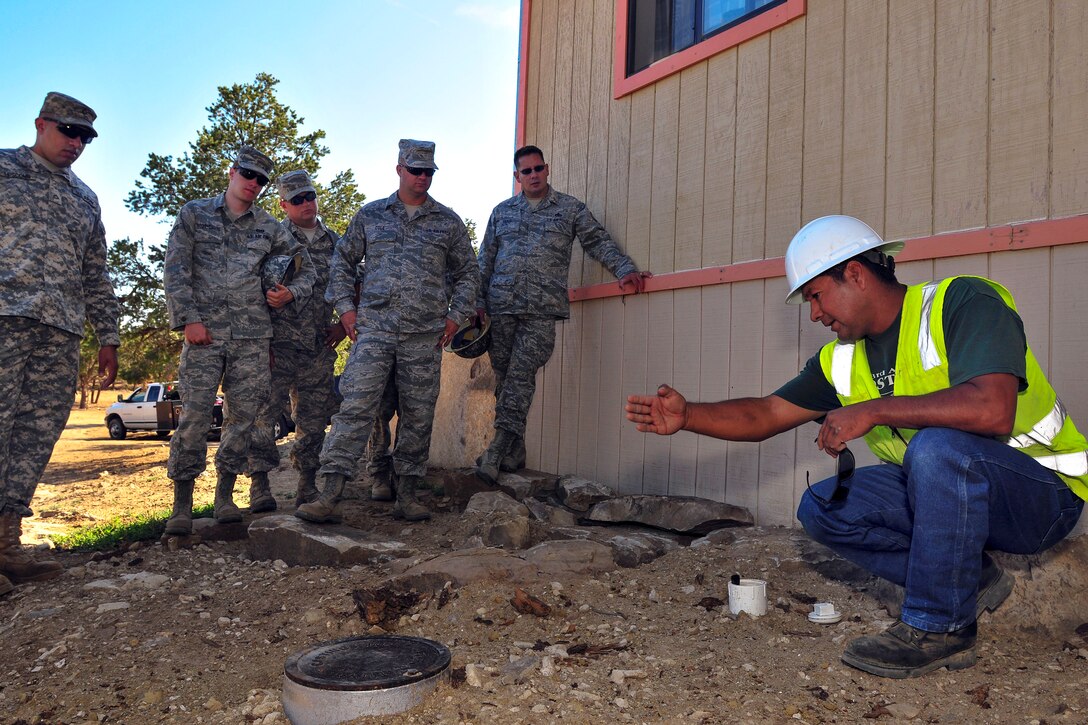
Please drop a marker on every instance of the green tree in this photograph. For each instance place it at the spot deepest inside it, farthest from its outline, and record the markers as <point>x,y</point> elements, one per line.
<point>149,349</point>
<point>244,114</point>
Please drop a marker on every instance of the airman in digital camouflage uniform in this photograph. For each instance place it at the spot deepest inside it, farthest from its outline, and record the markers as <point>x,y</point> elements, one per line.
<point>213,287</point>
<point>524,260</point>
<point>405,315</point>
<point>52,277</point>
<point>304,334</point>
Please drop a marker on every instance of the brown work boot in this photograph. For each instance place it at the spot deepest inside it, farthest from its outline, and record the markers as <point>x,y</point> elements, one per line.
<point>16,563</point>
<point>307,487</point>
<point>514,460</point>
<point>903,651</point>
<point>382,489</point>
<point>407,506</point>
<point>226,512</point>
<point>326,509</point>
<point>260,495</point>
<point>180,522</point>
<point>488,467</point>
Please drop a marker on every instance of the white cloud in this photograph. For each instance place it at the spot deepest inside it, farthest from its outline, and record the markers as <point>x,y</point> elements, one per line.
<point>507,16</point>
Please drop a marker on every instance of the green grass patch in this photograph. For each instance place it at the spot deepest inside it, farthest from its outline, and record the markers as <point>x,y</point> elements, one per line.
<point>122,530</point>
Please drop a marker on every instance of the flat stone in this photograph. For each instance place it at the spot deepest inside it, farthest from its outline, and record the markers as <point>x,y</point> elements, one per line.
<point>144,580</point>
<point>527,483</point>
<point>211,530</point>
<point>111,607</point>
<point>581,494</point>
<point>718,537</point>
<point>465,566</point>
<point>489,502</point>
<point>571,557</point>
<point>102,584</point>
<point>300,543</point>
<point>550,514</point>
<point>517,486</point>
<point>634,549</point>
<point>685,514</point>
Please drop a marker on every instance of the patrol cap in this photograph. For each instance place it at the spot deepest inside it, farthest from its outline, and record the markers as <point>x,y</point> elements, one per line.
<point>416,154</point>
<point>252,159</point>
<point>67,110</point>
<point>294,183</point>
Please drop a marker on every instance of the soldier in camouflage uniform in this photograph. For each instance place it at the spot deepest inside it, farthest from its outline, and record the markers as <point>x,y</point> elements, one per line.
<point>304,334</point>
<point>212,278</point>
<point>524,261</point>
<point>405,315</point>
<point>52,277</point>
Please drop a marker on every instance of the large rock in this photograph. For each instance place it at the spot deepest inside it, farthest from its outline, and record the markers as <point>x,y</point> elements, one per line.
<point>685,514</point>
<point>631,550</point>
<point>581,493</point>
<point>571,557</point>
<point>464,567</point>
<point>527,483</point>
<point>510,532</point>
<point>550,514</point>
<point>491,502</point>
<point>299,543</point>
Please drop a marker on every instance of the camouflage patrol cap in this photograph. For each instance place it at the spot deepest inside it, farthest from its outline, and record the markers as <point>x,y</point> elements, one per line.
<point>294,183</point>
<point>252,159</point>
<point>67,110</point>
<point>417,154</point>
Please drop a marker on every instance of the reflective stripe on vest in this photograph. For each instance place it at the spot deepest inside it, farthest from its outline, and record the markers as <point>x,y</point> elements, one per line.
<point>1045,431</point>
<point>1069,464</point>
<point>927,346</point>
<point>842,366</point>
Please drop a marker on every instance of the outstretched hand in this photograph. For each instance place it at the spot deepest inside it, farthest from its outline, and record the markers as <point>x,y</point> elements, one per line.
<point>663,413</point>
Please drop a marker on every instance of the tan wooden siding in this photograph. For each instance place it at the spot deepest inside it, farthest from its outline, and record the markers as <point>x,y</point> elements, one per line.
<point>920,117</point>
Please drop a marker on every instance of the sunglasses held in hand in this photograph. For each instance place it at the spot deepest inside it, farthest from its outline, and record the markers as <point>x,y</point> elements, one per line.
<point>843,473</point>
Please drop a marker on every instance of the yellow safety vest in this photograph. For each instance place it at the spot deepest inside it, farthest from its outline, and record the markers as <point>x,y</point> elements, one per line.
<point>1042,429</point>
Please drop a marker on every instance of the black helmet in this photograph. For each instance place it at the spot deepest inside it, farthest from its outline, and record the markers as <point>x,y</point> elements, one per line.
<point>278,269</point>
<point>471,339</point>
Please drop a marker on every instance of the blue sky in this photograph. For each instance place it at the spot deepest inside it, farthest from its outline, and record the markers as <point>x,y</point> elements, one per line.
<point>367,72</point>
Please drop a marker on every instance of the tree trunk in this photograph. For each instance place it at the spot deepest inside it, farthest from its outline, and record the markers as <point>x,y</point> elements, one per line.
<point>82,395</point>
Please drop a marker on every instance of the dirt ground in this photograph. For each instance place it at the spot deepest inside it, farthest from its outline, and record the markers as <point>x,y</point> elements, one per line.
<point>153,635</point>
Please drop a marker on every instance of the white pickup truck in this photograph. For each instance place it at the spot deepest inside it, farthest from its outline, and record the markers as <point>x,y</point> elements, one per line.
<point>154,407</point>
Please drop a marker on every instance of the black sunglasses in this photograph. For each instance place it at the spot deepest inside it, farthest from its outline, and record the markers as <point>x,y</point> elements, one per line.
<point>251,175</point>
<point>532,169</point>
<point>81,132</point>
<point>416,171</point>
<point>300,199</point>
<point>844,471</point>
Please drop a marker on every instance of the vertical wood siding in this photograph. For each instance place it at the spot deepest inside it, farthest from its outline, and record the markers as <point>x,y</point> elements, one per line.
<point>920,117</point>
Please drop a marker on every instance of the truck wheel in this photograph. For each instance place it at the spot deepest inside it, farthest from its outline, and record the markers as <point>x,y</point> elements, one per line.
<point>117,429</point>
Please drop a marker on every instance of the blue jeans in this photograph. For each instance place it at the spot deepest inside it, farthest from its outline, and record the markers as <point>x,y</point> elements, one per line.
<point>925,524</point>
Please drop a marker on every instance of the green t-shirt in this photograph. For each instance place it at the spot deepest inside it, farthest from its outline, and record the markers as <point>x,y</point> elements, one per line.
<point>982,335</point>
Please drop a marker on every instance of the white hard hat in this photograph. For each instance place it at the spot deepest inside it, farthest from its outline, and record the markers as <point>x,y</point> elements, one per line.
<point>825,242</point>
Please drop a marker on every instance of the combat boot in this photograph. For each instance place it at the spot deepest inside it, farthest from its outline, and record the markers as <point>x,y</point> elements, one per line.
<point>382,488</point>
<point>226,512</point>
<point>407,506</point>
<point>307,487</point>
<point>180,522</point>
<point>260,495</point>
<point>326,509</point>
<point>488,467</point>
<point>515,459</point>
<point>15,563</point>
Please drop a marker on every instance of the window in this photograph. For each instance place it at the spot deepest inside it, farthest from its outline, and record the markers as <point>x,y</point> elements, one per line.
<point>659,28</point>
<point>656,38</point>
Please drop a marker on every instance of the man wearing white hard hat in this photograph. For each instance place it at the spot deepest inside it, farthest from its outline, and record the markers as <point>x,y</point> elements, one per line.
<point>938,379</point>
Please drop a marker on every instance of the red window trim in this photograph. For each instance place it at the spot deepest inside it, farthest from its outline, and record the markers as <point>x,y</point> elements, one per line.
<point>622,84</point>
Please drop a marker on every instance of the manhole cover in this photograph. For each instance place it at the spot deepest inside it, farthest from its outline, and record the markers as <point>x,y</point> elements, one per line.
<point>368,663</point>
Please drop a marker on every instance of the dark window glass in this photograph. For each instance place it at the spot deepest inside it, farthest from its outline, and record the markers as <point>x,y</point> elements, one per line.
<point>659,28</point>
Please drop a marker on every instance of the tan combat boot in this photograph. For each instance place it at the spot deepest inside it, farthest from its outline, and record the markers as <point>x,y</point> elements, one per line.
<point>382,489</point>
<point>307,487</point>
<point>260,495</point>
<point>15,563</point>
<point>226,512</point>
<point>488,467</point>
<point>180,522</point>
<point>326,509</point>
<point>407,507</point>
<point>515,459</point>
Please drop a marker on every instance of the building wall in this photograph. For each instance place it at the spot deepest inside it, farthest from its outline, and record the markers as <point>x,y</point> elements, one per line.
<point>920,117</point>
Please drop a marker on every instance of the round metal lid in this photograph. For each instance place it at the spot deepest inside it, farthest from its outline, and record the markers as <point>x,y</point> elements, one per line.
<point>368,663</point>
